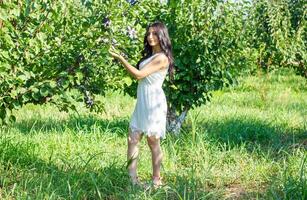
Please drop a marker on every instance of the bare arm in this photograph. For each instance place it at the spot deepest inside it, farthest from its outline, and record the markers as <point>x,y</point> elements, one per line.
<point>158,63</point>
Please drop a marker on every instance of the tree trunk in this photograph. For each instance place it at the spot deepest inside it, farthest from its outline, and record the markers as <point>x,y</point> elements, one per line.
<point>174,121</point>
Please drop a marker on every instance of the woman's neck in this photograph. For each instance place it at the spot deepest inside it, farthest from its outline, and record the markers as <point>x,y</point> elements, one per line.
<point>156,49</point>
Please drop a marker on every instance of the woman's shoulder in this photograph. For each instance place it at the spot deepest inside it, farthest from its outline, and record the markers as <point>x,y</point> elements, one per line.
<point>161,57</point>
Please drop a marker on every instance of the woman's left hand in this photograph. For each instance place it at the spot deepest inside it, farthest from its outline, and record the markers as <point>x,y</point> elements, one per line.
<point>112,51</point>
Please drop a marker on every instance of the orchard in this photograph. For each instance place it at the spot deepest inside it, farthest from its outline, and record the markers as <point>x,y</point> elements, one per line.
<point>49,48</point>
<point>236,121</point>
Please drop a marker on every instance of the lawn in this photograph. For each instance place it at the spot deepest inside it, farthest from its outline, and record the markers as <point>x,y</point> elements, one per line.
<point>249,142</point>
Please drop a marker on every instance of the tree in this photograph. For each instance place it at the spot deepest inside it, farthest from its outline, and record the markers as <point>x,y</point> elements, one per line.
<point>52,47</point>
<point>208,45</point>
<point>57,52</point>
<point>278,33</point>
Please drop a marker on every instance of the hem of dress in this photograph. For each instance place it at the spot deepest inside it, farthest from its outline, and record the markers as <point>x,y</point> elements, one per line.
<point>148,133</point>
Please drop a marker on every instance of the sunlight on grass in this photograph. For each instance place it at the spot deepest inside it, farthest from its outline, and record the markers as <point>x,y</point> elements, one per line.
<point>248,143</point>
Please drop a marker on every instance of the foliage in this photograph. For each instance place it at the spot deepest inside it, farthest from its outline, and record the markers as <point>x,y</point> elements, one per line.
<point>278,33</point>
<point>57,51</point>
<point>49,48</point>
<point>207,47</point>
<point>44,48</point>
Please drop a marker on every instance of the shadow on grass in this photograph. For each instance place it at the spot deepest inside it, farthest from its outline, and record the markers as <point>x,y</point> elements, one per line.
<point>83,124</point>
<point>111,182</point>
<point>234,132</point>
<point>26,175</point>
<point>276,142</point>
<point>25,172</point>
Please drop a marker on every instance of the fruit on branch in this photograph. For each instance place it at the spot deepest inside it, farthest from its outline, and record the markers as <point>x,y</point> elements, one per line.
<point>106,22</point>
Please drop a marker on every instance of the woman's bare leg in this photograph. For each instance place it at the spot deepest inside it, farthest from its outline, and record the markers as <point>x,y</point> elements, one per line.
<point>156,155</point>
<point>132,153</point>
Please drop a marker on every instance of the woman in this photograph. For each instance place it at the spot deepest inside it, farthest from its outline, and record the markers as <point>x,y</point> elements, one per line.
<point>149,116</point>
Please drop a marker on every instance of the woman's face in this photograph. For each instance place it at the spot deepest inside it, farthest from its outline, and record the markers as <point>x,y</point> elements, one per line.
<point>152,37</point>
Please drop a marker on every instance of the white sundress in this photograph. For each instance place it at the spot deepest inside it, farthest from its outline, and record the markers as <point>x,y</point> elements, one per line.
<point>149,116</point>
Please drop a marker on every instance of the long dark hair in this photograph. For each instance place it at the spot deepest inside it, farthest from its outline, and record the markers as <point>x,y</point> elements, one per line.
<point>165,44</point>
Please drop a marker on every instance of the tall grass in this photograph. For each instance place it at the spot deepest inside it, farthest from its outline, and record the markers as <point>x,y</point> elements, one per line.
<point>248,143</point>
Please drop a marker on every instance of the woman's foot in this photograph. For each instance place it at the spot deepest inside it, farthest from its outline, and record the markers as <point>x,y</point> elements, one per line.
<point>135,181</point>
<point>157,181</point>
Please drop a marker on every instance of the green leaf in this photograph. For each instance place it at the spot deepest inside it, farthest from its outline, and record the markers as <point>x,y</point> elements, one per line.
<point>173,87</point>
<point>4,54</point>
<point>4,66</point>
<point>198,60</point>
<point>34,89</point>
<point>127,80</point>
<point>36,96</point>
<point>23,77</point>
<point>3,14</point>
<point>2,112</point>
<point>79,76</point>
<point>52,84</point>
<point>26,97</point>
<point>44,91</point>
<point>16,105</point>
<point>12,119</point>
<point>14,94</point>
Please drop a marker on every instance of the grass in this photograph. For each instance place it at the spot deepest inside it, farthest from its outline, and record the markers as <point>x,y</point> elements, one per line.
<point>248,143</point>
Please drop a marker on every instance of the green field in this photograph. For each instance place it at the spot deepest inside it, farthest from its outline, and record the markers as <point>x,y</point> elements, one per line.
<point>249,143</point>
